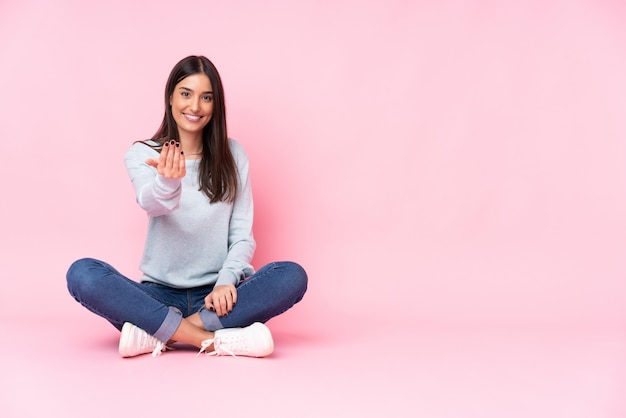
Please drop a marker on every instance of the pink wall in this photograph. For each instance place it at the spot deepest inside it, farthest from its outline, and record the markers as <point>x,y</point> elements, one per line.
<point>445,164</point>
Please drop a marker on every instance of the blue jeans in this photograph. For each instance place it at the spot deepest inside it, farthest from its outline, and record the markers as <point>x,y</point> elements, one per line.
<point>159,309</point>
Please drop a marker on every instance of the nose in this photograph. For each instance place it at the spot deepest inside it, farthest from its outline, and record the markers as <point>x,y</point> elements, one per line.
<point>195,104</point>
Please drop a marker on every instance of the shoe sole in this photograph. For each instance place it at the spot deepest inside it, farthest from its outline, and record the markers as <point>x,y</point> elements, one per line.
<point>127,330</point>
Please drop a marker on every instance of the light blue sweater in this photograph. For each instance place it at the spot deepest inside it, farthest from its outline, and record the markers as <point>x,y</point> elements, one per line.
<point>190,241</point>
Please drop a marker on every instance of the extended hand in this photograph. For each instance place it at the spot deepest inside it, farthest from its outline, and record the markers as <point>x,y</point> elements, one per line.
<point>171,162</point>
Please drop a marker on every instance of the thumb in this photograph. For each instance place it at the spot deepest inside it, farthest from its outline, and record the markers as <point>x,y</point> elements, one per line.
<point>152,163</point>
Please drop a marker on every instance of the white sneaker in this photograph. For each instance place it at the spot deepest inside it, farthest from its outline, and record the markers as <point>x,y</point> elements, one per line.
<point>135,341</point>
<point>252,341</point>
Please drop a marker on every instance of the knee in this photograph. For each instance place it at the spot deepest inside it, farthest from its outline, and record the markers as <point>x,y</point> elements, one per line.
<point>296,276</point>
<point>79,267</point>
<point>79,275</point>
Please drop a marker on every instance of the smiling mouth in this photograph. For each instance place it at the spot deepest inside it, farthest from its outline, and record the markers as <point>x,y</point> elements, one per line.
<point>192,118</point>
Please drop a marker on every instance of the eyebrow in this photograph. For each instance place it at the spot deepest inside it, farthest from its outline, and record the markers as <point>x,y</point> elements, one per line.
<point>188,89</point>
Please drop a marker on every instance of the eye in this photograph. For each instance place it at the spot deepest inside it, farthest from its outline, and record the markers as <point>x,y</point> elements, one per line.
<point>207,98</point>
<point>184,93</point>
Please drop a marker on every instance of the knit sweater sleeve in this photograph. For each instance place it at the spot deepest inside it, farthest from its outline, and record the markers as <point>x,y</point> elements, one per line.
<point>241,243</point>
<point>156,194</point>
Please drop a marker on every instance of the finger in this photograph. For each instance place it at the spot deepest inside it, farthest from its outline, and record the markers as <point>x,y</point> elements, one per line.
<point>229,301</point>
<point>176,161</point>
<point>182,168</point>
<point>223,305</point>
<point>152,163</point>
<point>215,303</point>
<point>234,294</point>
<point>208,302</point>
<point>164,150</point>
<point>169,158</point>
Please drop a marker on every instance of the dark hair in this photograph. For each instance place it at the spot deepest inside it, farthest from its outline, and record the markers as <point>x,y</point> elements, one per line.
<point>218,171</point>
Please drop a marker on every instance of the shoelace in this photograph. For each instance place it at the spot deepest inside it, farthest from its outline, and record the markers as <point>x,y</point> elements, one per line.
<point>218,350</point>
<point>160,347</point>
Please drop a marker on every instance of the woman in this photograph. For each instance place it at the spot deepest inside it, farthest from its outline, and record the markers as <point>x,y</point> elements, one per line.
<point>198,286</point>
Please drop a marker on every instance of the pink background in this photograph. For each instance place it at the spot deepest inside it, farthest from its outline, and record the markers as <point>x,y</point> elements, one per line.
<point>451,175</point>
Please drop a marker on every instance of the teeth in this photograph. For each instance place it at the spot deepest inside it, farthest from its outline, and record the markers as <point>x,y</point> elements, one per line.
<point>193,118</point>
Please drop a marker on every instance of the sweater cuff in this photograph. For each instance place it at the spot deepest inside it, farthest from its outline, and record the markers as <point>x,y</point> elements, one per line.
<point>227,277</point>
<point>167,185</point>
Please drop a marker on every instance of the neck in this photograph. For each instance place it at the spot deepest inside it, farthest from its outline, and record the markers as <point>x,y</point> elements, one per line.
<point>191,146</point>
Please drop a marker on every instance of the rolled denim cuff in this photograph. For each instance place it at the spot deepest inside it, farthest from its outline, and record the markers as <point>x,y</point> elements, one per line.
<point>169,326</point>
<point>210,319</point>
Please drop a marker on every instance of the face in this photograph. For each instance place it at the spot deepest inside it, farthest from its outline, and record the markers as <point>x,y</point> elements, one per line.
<point>192,105</point>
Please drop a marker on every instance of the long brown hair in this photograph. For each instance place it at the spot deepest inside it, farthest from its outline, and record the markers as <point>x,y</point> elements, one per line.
<point>218,171</point>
